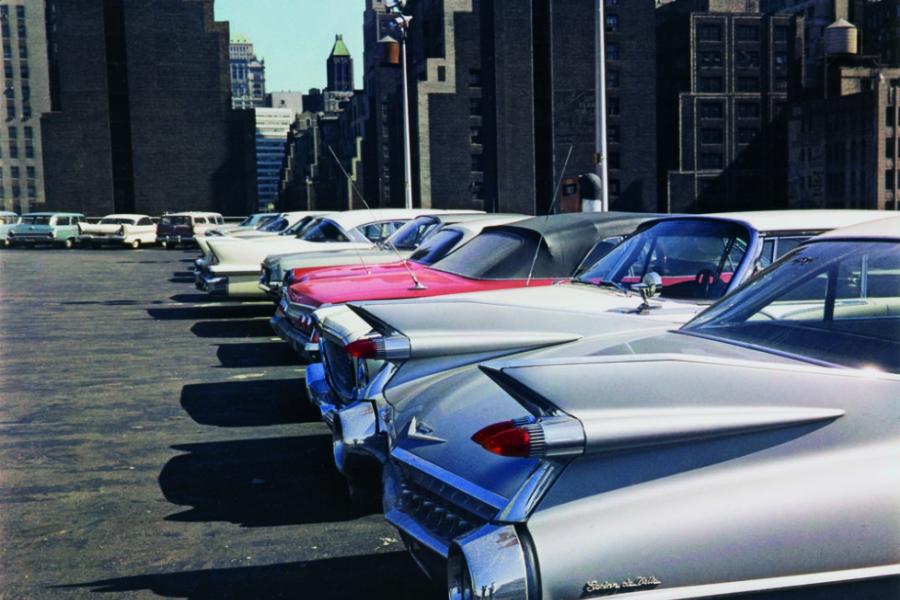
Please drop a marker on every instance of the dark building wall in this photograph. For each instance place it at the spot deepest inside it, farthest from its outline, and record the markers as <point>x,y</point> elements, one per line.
<point>76,136</point>
<point>188,149</point>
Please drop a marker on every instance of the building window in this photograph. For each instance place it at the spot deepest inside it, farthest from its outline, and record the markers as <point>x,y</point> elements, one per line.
<point>889,148</point>
<point>612,23</point>
<point>442,73</point>
<point>10,110</point>
<point>748,110</point>
<point>13,149</point>
<point>23,49</point>
<point>710,135</point>
<point>781,33</point>
<point>612,134</point>
<point>612,78</point>
<point>710,161</point>
<point>710,85</point>
<point>748,84</point>
<point>614,160</point>
<point>747,33</point>
<point>747,59</point>
<point>8,69</point>
<point>889,179</point>
<point>477,163</point>
<point>709,32</point>
<point>32,190</point>
<point>745,135</point>
<point>23,70</point>
<point>474,78</point>
<point>711,110</point>
<point>612,107</point>
<point>475,136</point>
<point>7,48</point>
<point>780,84</point>
<point>13,133</point>
<point>26,110</point>
<point>780,59</point>
<point>711,59</point>
<point>889,116</point>
<point>612,51</point>
<point>20,12</point>
<point>614,188</point>
<point>29,149</point>
<point>29,172</point>
<point>475,107</point>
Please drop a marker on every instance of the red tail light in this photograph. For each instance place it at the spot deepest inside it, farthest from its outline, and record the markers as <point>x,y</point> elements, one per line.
<point>506,439</point>
<point>364,348</point>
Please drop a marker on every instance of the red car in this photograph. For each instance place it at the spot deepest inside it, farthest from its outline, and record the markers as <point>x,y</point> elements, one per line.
<point>534,252</point>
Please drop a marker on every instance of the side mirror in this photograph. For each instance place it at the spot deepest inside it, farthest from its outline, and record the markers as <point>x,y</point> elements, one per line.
<point>650,286</point>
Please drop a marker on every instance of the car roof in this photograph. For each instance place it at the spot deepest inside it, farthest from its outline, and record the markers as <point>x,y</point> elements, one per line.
<point>476,225</point>
<point>50,214</point>
<point>187,213</point>
<point>8,213</point>
<point>351,219</point>
<point>887,228</point>
<point>801,220</point>
<point>125,216</point>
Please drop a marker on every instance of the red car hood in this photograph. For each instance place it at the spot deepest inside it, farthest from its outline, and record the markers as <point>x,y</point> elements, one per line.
<point>395,284</point>
<point>347,271</point>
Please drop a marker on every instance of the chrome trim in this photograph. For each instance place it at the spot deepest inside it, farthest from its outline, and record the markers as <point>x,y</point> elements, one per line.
<point>530,493</point>
<point>394,347</point>
<point>487,497</point>
<point>214,286</point>
<point>411,527</point>
<point>563,436</point>
<point>495,564</point>
<point>297,340</point>
<point>770,584</point>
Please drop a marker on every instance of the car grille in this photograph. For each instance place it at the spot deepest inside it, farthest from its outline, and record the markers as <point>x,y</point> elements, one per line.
<point>443,510</point>
<point>339,369</point>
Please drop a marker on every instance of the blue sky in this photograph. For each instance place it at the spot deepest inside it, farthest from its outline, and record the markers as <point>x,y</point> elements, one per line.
<point>295,36</point>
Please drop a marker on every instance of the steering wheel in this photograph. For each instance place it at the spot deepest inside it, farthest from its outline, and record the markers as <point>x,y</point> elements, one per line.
<point>705,278</point>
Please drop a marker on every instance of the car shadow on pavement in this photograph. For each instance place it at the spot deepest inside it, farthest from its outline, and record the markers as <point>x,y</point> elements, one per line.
<point>245,328</point>
<point>256,354</point>
<point>248,403</point>
<point>258,483</point>
<point>195,313</point>
<point>382,575</point>
<point>198,298</point>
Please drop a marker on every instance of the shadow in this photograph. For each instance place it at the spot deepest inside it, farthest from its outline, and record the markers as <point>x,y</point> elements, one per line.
<point>238,311</point>
<point>248,403</point>
<point>258,483</point>
<point>200,297</point>
<point>245,328</point>
<point>256,354</point>
<point>387,575</point>
<point>110,302</point>
<point>187,260</point>
<point>182,279</point>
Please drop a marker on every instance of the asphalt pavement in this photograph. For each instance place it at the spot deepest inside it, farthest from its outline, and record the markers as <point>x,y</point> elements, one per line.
<point>156,444</point>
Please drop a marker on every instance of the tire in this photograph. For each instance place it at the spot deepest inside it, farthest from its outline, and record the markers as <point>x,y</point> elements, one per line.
<point>68,243</point>
<point>135,244</point>
<point>6,244</point>
<point>164,245</point>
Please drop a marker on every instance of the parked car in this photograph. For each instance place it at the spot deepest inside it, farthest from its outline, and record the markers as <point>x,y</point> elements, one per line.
<point>277,268</point>
<point>369,348</point>
<point>752,452</point>
<point>180,228</point>
<point>234,267</point>
<point>133,231</point>
<point>254,221</point>
<point>53,228</point>
<point>294,323</point>
<point>8,220</point>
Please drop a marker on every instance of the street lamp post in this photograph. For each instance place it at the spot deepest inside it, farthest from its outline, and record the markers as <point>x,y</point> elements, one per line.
<point>401,24</point>
<point>600,106</point>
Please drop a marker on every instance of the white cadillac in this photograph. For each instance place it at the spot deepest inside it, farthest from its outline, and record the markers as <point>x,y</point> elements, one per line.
<point>129,230</point>
<point>281,224</point>
<point>233,266</point>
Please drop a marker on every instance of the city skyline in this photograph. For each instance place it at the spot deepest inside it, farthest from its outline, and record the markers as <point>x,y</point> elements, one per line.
<point>295,38</point>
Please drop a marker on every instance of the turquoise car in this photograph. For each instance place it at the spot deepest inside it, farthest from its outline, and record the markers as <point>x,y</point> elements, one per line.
<point>53,228</point>
<point>7,221</point>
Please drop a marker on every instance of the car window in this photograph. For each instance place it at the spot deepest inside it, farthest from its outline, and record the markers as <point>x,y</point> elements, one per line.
<point>175,220</point>
<point>220,220</point>
<point>837,302</point>
<point>61,221</point>
<point>8,220</point>
<point>376,232</point>
<point>412,233</point>
<point>696,259</point>
<point>499,254</point>
<point>145,221</point>
<point>324,231</point>
<point>276,225</point>
<point>437,246</point>
<point>36,220</point>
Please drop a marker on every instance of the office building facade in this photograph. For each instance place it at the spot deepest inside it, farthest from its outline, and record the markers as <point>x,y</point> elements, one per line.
<point>248,74</point>
<point>272,126</point>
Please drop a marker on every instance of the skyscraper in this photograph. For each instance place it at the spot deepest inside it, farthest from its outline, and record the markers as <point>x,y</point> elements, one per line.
<point>248,74</point>
<point>272,126</point>
<point>26,94</point>
<point>141,119</point>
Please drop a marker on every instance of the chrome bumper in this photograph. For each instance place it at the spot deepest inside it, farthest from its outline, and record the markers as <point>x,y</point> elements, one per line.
<point>176,239</point>
<point>214,286</point>
<point>102,239</point>
<point>297,340</point>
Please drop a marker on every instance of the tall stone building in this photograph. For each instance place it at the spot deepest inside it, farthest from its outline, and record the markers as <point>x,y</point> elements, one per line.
<point>248,74</point>
<point>26,94</point>
<point>272,126</point>
<point>727,73</point>
<point>501,91</point>
<point>141,117</point>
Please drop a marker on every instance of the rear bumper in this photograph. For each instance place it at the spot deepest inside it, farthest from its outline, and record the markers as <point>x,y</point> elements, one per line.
<point>214,286</point>
<point>299,341</point>
<point>176,239</point>
<point>103,239</point>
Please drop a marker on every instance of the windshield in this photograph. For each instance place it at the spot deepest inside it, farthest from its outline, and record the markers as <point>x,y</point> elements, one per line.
<point>36,219</point>
<point>8,220</point>
<point>276,225</point>
<point>696,259</point>
<point>837,302</point>
<point>324,231</point>
<point>500,254</point>
<point>437,246</point>
<point>175,220</point>
<point>300,226</point>
<point>413,233</point>
<point>116,221</point>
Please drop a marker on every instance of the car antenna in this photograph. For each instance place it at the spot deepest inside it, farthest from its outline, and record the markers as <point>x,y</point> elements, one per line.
<point>549,212</point>
<point>417,285</point>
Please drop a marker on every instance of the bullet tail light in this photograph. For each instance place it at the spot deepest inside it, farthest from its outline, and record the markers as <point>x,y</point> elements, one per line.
<point>521,438</point>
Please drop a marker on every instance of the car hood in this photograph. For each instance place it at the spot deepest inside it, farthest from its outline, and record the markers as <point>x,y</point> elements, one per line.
<point>593,380</point>
<point>328,258</point>
<point>247,254</point>
<point>395,284</point>
<point>357,270</point>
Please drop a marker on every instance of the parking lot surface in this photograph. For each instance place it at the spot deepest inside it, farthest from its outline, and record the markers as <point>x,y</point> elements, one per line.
<point>156,444</point>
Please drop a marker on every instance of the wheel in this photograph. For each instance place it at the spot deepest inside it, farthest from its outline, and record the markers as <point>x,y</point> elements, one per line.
<point>69,243</point>
<point>135,244</point>
<point>7,243</point>
<point>164,245</point>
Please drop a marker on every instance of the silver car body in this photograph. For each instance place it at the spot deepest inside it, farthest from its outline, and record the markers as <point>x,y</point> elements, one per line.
<point>432,335</point>
<point>253,221</point>
<point>120,229</point>
<point>8,220</point>
<point>684,465</point>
